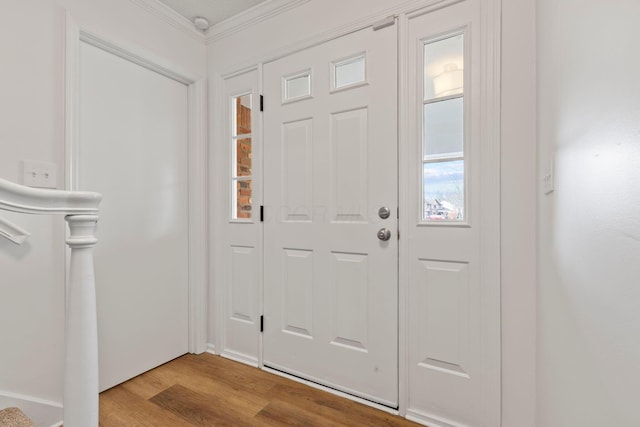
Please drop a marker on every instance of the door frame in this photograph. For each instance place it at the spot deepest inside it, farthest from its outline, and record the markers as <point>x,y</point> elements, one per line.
<point>491,25</point>
<point>197,155</point>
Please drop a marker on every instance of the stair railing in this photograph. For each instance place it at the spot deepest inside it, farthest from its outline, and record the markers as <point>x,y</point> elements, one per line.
<point>81,333</point>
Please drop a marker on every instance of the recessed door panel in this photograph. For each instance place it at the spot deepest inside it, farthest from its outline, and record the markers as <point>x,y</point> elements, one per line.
<point>349,165</point>
<point>242,283</point>
<point>350,315</point>
<point>444,337</point>
<point>297,159</point>
<point>298,292</point>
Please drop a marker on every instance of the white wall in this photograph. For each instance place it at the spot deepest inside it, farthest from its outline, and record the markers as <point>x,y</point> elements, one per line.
<point>32,127</point>
<point>589,228</point>
<point>518,161</point>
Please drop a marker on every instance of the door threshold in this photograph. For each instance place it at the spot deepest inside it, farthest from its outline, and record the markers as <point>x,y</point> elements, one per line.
<point>367,402</point>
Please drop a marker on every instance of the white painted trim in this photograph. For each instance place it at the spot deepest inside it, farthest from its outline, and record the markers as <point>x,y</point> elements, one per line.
<point>332,391</point>
<point>13,232</point>
<point>255,15</point>
<point>260,245</point>
<point>41,411</point>
<point>334,33</point>
<point>171,17</point>
<point>404,159</point>
<point>491,222</point>
<point>260,12</point>
<point>431,421</point>
<point>239,357</point>
<point>217,162</point>
<point>198,131</point>
<point>71,101</point>
<point>423,7</point>
<point>253,67</point>
<point>211,349</point>
<point>198,216</point>
<point>139,56</point>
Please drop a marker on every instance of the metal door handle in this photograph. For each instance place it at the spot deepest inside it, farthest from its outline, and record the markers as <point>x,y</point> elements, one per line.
<point>384,212</point>
<point>384,234</point>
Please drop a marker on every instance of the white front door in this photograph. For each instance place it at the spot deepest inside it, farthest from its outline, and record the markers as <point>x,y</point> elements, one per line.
<point>133,148</point>
<point>330,165</point>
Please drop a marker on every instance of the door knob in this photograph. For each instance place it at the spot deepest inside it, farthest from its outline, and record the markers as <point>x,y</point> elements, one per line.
<point>384,234</point>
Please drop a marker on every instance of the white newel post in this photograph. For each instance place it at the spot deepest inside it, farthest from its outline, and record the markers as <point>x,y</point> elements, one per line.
<point>81,332</point>
<point>81,329</point>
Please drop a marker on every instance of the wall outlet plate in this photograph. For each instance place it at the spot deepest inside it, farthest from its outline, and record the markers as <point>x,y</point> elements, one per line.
<point>39,174</point>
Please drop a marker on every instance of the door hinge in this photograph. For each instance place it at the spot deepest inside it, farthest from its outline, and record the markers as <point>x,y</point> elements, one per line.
<point>261,103</point>
<point>261,213</point>
<point>261,323</point>
<point>398,234</point>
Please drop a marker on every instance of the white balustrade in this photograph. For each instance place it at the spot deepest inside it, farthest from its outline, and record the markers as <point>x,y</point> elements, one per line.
<point>81,332</point>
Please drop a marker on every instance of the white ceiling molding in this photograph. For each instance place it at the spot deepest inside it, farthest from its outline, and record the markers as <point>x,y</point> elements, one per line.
<point>171,17</point>
<point>249,17</point>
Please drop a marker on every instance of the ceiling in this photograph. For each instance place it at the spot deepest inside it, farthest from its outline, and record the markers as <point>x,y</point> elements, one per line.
<point>214,10</point>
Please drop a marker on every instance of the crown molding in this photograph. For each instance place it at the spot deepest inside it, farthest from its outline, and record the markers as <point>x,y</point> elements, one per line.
<point>260,12</point>
<point>171,17</point>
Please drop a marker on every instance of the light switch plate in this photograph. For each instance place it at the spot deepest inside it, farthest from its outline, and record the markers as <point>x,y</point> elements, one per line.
<point>39,174</point>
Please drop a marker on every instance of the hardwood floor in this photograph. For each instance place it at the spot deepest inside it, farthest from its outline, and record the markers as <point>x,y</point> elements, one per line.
<point>207,390</point>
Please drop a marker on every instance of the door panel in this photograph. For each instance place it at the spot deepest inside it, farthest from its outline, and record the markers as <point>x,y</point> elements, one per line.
<point>237,254</point>
<point>133,136</point>
<point>330,159</point>
<point>452,336</point>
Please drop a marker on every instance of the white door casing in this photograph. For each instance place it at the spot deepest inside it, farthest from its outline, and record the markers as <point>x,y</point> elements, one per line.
<point>330,158</point>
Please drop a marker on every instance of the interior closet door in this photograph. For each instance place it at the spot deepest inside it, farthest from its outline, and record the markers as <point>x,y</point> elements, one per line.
<point>133,148</point>
<point>330,233</point>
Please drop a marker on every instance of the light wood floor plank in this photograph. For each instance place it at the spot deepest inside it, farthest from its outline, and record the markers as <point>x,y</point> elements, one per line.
<point>207,390</point>
<point>119,407</point>
<point>198,409</point>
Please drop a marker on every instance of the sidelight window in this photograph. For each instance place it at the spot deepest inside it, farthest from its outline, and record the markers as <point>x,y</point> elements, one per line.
<point>443,138</point>
<point>241,167</point>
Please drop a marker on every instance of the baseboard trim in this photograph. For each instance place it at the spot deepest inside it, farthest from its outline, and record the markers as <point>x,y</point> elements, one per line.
<point>430,420</point>
<point>239,357</point>
<point>42,412</point>
<point>211,348</point>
